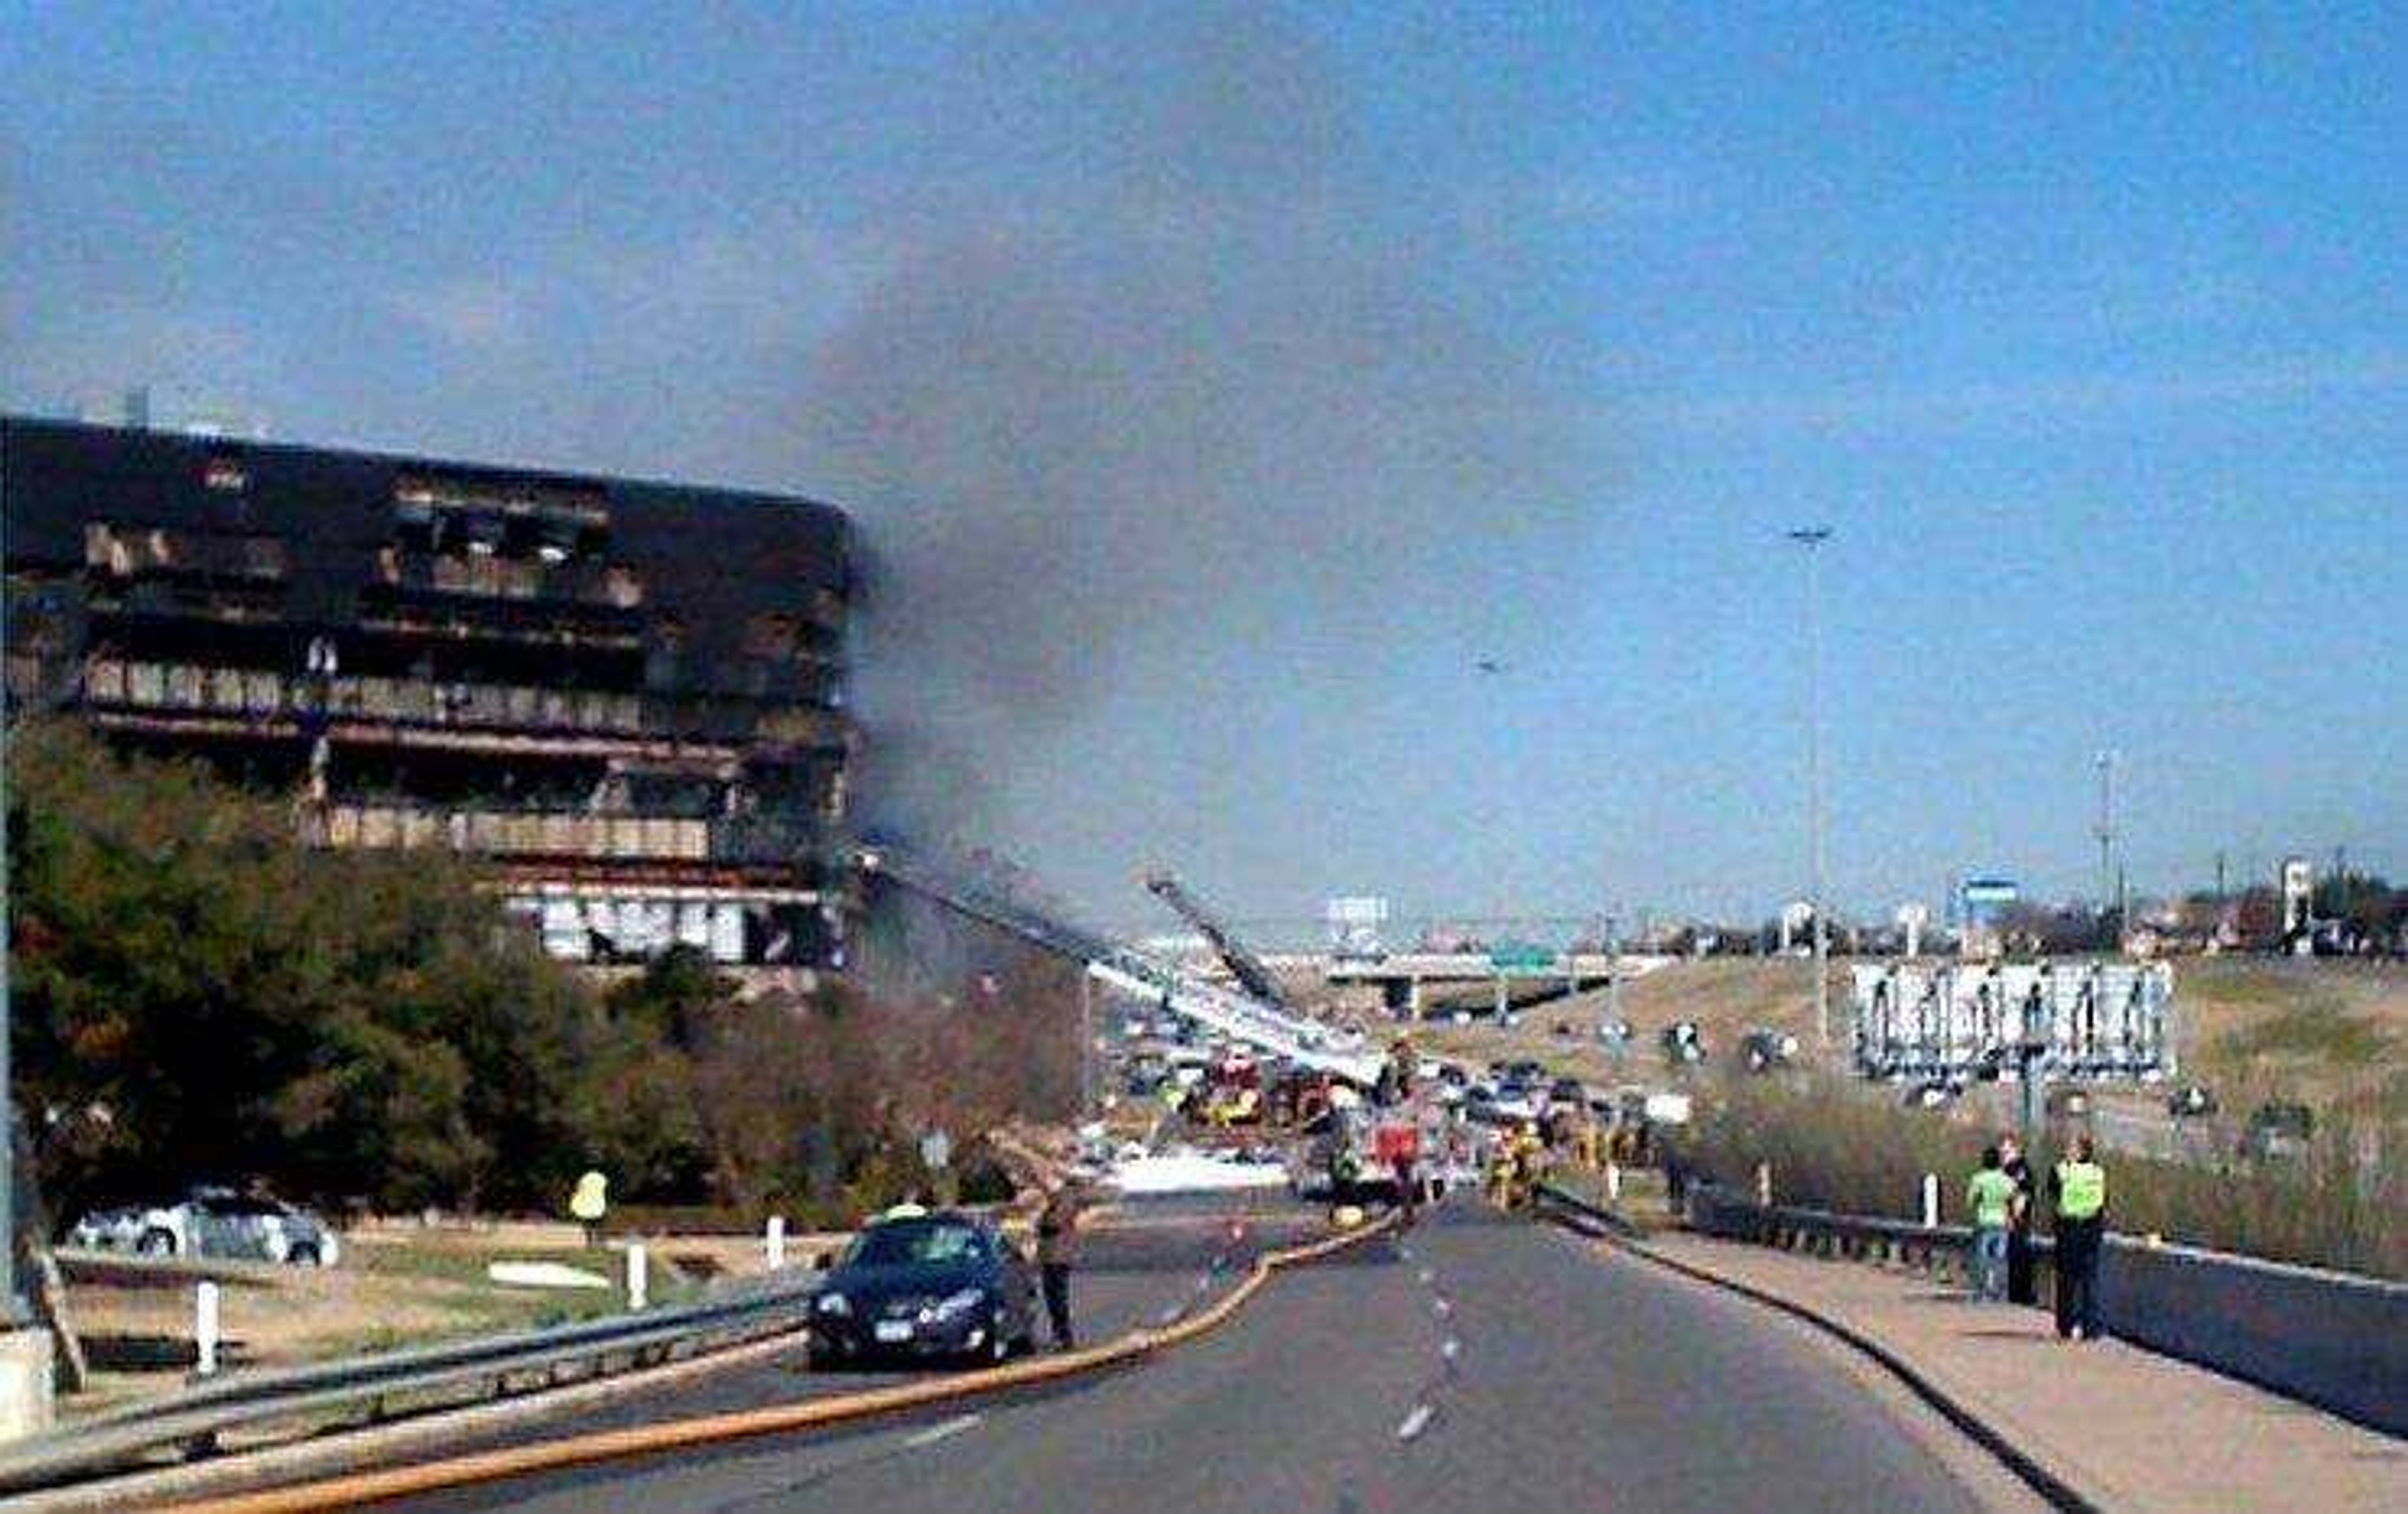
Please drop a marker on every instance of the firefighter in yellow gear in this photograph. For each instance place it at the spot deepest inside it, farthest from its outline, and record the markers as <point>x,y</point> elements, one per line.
<point>1501,1172</point>
<point>1515,1163</point>
<point>1529,1163</point>
<point>1589,1145</point>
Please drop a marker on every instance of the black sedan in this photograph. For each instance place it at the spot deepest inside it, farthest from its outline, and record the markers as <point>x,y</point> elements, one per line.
<point>921,1286</point>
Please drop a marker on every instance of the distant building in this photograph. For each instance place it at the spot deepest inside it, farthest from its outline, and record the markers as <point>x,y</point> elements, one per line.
<point>629,696</point>
<point>1983,905</point>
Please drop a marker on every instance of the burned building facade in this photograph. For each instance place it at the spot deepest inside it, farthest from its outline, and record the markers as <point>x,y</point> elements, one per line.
<point>629,696</point>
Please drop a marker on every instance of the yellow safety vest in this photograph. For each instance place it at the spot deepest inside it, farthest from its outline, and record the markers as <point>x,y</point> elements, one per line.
<point>2081,1190</point>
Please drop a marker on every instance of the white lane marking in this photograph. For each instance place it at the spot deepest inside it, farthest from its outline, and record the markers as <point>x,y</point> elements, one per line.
<point>943,1431</point>
<point>1429,1277</point>
<point>1415,1422</point>
<point>1441,1307</point>
<point>1450,1348</point>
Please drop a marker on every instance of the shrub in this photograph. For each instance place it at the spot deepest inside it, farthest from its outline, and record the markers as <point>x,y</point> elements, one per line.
<point>1843,1147</point>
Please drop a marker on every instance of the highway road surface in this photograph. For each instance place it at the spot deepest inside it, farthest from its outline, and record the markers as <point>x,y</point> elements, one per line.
<point>1480,1365</point>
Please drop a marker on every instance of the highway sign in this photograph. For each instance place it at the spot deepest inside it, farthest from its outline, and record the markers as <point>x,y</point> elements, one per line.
<point>1515,956</point>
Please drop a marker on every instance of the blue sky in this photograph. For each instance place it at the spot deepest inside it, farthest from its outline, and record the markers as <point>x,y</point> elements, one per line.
<point>2084,331</point>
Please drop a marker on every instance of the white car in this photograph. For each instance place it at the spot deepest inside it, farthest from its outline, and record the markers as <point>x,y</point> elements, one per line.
<point>213,1222</point>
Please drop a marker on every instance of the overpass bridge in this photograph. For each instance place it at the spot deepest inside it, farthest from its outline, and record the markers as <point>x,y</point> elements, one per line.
<point>1403,977</point>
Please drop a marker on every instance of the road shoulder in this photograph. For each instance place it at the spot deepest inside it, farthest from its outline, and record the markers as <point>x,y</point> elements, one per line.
<point>2122,1427</point>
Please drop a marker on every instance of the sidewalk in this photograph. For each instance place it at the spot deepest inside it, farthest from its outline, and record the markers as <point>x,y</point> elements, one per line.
<point>2126,1428</point>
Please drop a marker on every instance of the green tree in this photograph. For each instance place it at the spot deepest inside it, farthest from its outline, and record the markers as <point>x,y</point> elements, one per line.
<point>198,996</point>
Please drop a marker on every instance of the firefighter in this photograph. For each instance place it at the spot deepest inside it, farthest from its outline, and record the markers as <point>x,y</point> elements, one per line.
<point>1590,1146</point>
<point>1501,1172</point>
<point>1529,1163</point>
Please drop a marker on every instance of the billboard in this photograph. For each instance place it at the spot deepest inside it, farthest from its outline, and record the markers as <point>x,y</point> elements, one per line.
<point>2095,1020</point>
<point>1355,921</point>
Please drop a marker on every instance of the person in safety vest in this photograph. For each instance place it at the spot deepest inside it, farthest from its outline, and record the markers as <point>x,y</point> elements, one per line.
<point>1529,1162</point>
<point>588,1203</point>
<point>1991,1195</point>
<point>1500,1171</point>
<point>2080,1185</point>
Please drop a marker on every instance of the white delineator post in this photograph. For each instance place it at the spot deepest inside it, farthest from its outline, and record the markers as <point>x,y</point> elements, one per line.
<point>1764,1184</point>
<point>635,1275</point>
<point>205,1328</point>
<point>1930,1199</point>
<point>774,1241</point>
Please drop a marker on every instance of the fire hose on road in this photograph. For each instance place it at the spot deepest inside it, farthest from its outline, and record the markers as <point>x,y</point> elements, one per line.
<point>575,1451</point>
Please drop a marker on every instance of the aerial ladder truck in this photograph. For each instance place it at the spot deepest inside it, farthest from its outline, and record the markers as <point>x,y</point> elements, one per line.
<point>1243,966</point>
<point>1267,1024</point>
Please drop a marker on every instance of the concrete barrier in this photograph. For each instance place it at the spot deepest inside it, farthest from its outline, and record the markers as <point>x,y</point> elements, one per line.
<point>2332,1339</point>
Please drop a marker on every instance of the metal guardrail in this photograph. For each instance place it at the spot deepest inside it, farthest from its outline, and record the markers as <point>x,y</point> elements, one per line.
<point>491,1366</point>
<point>1714,1211</point>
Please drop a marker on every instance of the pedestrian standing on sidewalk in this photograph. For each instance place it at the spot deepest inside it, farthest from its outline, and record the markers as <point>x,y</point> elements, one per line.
<point>2021,1288</point>
<point>2080,1191</point>
<point>1991,1195</point>
<point>1057,1243</point>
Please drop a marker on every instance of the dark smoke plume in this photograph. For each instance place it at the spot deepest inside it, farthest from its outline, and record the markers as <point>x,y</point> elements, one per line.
<point>1170,355</point>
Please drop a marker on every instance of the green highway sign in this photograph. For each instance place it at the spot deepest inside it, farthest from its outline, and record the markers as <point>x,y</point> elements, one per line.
<point>1515,957</point>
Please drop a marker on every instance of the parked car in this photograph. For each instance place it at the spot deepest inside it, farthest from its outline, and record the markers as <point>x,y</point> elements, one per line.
<point>212,1221</point>
<point>1683,1043</point>
<point>2190,1102</point>
<point>2278,1130</point>
<point>1515,1101</point>
<point>1763,1049</point>
<point>1567,1093</point>
<point>1931,1093</point>
<point>940,1285</point>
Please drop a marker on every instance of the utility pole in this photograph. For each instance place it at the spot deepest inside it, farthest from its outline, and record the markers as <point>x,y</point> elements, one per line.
<point>1087,1046</point>
<point>2105,831</point>
<point>13,1311</point>
<point>1812,538</point>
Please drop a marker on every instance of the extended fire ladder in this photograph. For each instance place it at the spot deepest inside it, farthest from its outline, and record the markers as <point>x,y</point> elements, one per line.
<point>1243,966</point>
<point>1268,1027</point>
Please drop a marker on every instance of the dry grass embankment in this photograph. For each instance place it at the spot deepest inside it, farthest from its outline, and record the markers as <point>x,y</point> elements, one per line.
<point>1832,1148</point>
<point>2334,1035</point>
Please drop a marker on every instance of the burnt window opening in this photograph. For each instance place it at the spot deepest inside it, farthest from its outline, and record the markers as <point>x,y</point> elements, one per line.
<point>773,635</point>
<point>537,524</point>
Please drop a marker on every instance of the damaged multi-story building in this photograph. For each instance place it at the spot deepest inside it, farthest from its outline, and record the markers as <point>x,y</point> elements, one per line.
<point>628,696</point>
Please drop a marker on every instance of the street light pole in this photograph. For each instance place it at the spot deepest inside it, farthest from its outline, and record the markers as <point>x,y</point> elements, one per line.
<point>1087,1046</point>
<point>11,1311</point>
<point>1812,538</point>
